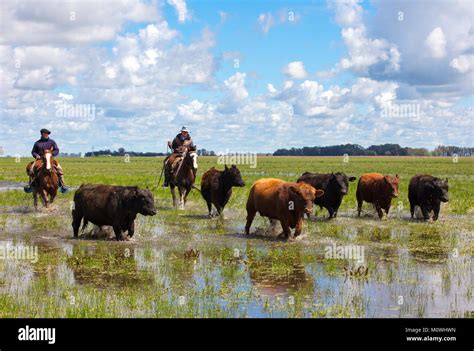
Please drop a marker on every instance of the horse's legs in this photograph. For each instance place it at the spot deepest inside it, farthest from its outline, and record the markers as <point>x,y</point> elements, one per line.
<point>181,198</point>
<point>186,195</point>
<point>52,196</point>
<point>173,193</point>
<point>44,198</point>
<point>35,199</point>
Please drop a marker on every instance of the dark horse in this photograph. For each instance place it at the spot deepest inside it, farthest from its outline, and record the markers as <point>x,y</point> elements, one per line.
<point>184,176</point>
<point>46,181</point>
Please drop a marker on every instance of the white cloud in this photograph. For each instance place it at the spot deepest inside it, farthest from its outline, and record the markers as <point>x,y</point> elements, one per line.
<point>295,70</point>
<point>364,51</point>
<point>266,21</point>
<point>196,111</point>
<point>181,10</point>
<point>436,43</point>
<point>58,22</point>
<point>236,86</point>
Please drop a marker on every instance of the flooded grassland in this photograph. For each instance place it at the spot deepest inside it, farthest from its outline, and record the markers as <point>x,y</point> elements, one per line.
<point>182,264</point>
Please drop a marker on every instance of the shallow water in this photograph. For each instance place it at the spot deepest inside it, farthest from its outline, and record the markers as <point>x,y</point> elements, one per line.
<point>415,269</point>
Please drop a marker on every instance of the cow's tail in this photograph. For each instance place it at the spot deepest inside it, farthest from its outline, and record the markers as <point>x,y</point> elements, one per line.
<point>195,187</point>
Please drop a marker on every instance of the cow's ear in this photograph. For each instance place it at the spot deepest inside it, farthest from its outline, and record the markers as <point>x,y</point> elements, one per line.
<point>226,168</point>
<point>234,166</point>
<point>295,189</point>
<point>351,179</point>
<point>319,192</point>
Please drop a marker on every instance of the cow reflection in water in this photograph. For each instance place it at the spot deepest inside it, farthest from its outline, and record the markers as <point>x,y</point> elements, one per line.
<point>279,273</point>
<point>104,266</point>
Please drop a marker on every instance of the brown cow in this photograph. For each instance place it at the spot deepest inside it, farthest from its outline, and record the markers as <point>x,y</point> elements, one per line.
<point>377,189</point>
<point>216,187</point>
<point>284,201</point>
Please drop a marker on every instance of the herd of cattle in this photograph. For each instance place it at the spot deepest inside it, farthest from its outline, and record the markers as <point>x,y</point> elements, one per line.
<point>287,202</point>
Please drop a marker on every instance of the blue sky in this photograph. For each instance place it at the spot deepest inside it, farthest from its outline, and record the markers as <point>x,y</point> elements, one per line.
<point>309,73</point>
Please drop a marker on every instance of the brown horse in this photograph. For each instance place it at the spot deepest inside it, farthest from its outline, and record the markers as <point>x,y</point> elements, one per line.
<point>46,181</point>
<point>184,177</point>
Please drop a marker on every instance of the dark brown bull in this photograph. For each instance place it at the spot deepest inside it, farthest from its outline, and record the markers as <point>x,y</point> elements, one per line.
<point>46,181</point>
<point>334,185</point>
<point>116,206</point>
<point>377,189</point>
<point>216,187</point>
<point>284,201</point>
<point>427,192</point>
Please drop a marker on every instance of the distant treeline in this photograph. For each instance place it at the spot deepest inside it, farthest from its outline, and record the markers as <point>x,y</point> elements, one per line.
<point>374,150</point>
<point>122,152</point>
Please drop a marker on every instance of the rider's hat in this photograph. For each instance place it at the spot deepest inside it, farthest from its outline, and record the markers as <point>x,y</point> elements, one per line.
<point>44,130</point>
<point>184,129</point>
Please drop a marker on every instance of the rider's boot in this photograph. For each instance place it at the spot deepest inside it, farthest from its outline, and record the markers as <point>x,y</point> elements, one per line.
<point>28,188</point>
<point>62,186</point>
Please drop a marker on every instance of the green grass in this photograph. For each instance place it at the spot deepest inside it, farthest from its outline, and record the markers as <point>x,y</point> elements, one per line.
<point>429,264</point>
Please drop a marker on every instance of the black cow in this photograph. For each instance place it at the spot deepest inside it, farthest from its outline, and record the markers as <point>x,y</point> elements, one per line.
<point>216,186</point>
<point>116,206</point>
<point>427,192</point>
<point>334,185</point>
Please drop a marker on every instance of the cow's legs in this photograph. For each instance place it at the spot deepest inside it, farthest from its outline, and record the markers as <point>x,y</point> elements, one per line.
<point>286,229</point>
<point>76,221</point>
<point>359,203</point>
<point>412,209</point>
<point>426,213</point>
<point>299,227</point>
<point>131,228</point>
<point>379,210</point>
<point>331,212</point>
<point>436,208</point>
<point>250,216</point>
<point>118,232</point>
<point>209,208</point>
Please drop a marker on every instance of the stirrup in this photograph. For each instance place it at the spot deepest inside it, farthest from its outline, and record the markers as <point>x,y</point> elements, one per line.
<point>28,189</point>
<point>63,189</point>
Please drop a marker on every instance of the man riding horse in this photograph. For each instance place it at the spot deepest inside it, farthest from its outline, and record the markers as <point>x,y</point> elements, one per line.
<point>181,143</point>
<point>44,143</point>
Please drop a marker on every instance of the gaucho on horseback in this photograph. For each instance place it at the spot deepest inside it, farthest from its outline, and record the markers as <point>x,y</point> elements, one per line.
<point>39,148</point>
<point>180,145</point>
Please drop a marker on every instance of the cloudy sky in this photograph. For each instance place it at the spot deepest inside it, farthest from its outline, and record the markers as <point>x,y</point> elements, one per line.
<point>242,75</point>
